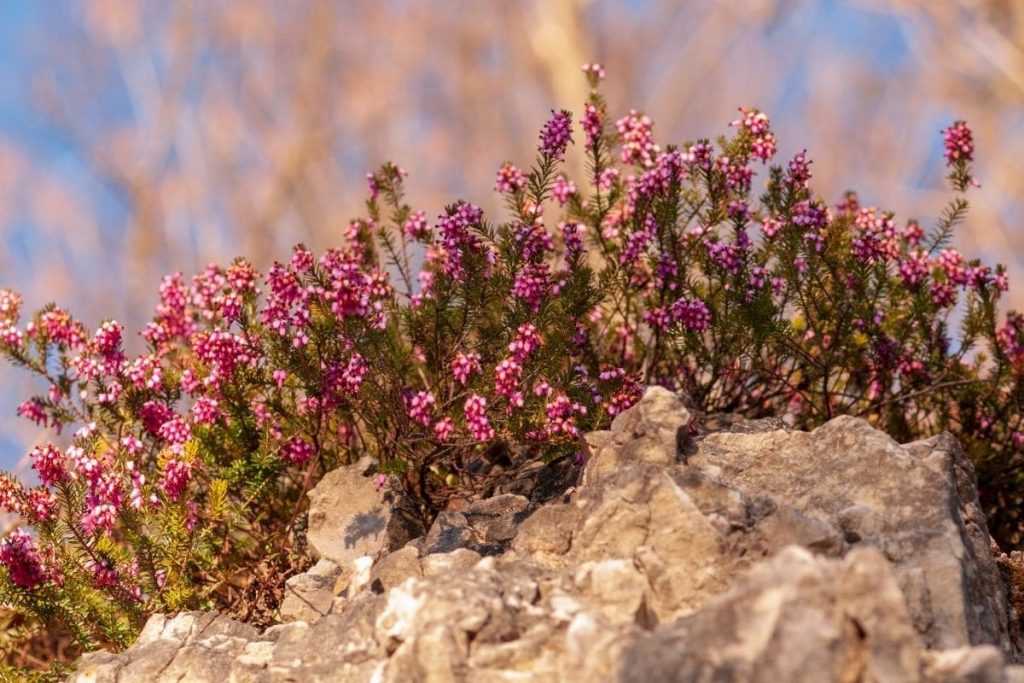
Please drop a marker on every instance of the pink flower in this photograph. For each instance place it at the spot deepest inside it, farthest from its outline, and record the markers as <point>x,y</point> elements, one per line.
<point>942,295</point>
<point>799,170</point>
<point>456,238</point>
<point>757,125</point>
<point>532,285</point>
<point>952,263</point>
<point>560,416</point>
<point>592,123</point>
<point>506,378</point>
<point>443,429</point>
<point>103,572</point>
<point>476,418</point>
<point>175,431</point>
<point>608,178</point>
<point>171,319</point>
<point>563,189</point>
<point>99,516</point>
<point>131,445</point>
<point>10,306</point>
<point>556,135</point>
<point>206,410</point>
<point>464,365</point>
<point>510,179</point>
<point>19,555</point>
<point>572,237</point>
<point>107,340</point>
<point>420,407</point>
<point>11,336</point>
<point>416,227</point>
<point>135,494</point>
<point>635,134</point>
<point>297,451</point>
<point>594,72</point>
<point>40,504</point>
<point>959,142</point>
<point>354,373</point>
<point>526,341</point>
<point>175,477</point>
<point>49,462</point>
<point>914,269</point>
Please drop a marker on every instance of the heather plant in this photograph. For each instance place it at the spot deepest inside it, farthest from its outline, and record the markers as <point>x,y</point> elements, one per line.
<point>459,350</point>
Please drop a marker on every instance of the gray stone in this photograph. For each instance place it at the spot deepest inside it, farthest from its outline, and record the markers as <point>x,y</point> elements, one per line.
<point>450,531</point>
<point>394,568</point>
<point>749,554</point>
<point>458,560</point>
<point>917,504</point>
<point>496,520</point>
<point>795,618</point>
<point>653,431</point>
<point>350,517</point>
<point>309,596</point>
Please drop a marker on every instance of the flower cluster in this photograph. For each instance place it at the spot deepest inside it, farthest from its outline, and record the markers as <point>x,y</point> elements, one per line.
<point>556,136</point>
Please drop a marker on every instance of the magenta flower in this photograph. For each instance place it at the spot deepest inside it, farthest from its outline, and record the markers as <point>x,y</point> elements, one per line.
<point>532,285</point>
<point>757,125</point>
<point>443,429</point>
<point>421,407</point>
<point>563,189</point>
<point>296,451</point>
<point>50,463</point>
<point>40,503</point>
<point>416,226</point>
<point>476,418</point>
<point>175,431</point>
<point>572,237</point>
<point>506,378</point>
<point>556,135</point>
<point>19,555</point>
<point>104,573</point>
<point>526,341</point>
<point>959,142</point>
<point>560,416</point>
<point>799,174</point>
<point>464,365</point>
<point>456,238</point>
<point>636,136</point>
<point>175,478</point>
<point>10,306</point>
<point>915,268</point>
<point>510,179</point>
<point>206,410</point>
<point>592,123</point>
<point>693,314</point>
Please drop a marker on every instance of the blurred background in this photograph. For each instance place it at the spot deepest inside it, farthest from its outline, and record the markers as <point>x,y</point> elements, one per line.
<point>140,137</point>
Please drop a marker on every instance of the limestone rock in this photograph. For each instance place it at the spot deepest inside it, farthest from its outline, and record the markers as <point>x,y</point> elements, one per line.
<point>917,504</point>
<point>189,646</point>
<point>794,618</point>
<point>394,568</point>
<point>653,431</point>
<point>486,527</point>
<point>744,553</point>
<point>349,517</point>
<point>308,596</point>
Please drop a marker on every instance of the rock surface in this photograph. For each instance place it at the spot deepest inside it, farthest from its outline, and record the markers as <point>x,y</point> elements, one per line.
<point>349,516</point>
<point>750,554</point>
